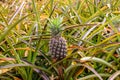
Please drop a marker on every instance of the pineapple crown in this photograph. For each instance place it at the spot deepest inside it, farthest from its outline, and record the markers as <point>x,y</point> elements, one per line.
<point>56,25</point>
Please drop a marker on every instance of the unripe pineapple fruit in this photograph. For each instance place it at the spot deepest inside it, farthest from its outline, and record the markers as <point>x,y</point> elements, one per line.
<point>57,44</point>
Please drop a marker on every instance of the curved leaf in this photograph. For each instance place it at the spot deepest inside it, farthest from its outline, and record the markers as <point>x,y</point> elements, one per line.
<point>87,66</point>
<point>24,65</point>
<point>84,59</point>
<point>93,76</point>
<point>114,75</point>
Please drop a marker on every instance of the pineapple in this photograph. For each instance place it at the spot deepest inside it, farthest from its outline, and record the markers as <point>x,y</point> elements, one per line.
<point>57,44</point>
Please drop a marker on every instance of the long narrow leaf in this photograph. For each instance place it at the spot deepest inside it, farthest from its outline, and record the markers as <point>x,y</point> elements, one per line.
<point>113,76</point>
<point>2,36</point>
<point>93,76</point>
<point>24,65</point>
<point>18,10</point>
<point>84,59</point>
<point>90,68</point>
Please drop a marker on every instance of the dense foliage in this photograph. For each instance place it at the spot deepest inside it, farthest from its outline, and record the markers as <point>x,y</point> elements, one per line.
<point>90,27</point>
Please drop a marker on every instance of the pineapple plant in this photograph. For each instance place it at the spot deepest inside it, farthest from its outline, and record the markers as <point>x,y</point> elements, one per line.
<point>57,44</point>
